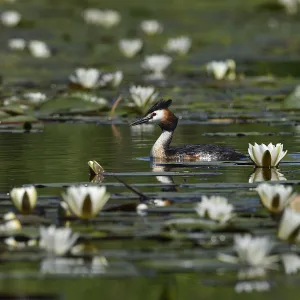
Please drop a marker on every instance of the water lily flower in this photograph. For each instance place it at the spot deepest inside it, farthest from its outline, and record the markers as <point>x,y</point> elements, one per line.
<point>35,97</point>
<point>57,241</point>
<point>143,96</point>
<point>111,79</point>
<point>289,225</point>
<point>95,168</point>
<point>142,209</point>
<point>106,18</point>
<point>13,243</point>
<point>180,45</point>
<point>11,223</point>
<point>266,174</point>
<point>291,263</point>
<point>86,201</point>
<point>24,199</point>
<point>222,69</point>
<point>253,251</point>
<point>266,156</point>
<point>10,18</point>
<point>130,48</point>
<point>17,44</point>
<point>39,49</point>
<point>151,27</point>
<point>156,64</point>
<point>86,78</point>
<point>275,197</point>
<point>215,208</point>
<point>290,6</point>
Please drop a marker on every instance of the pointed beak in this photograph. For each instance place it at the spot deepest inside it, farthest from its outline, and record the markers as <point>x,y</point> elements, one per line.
<point>140,121</point>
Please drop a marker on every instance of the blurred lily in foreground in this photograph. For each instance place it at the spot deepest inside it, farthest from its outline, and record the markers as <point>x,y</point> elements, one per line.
<point>10,18</point>
<point>35,97</point>
<point>253,251</point>
<point>11,223</point>
<point>275,197</point>
<point>106,17</point>
<point>291,263</point>
<point>86,201</point>
<point>130,48</point>
<point>111,79</point>
<point>12,243</point>
<point>156,64</point>
<point>266,156</point>
<point>180,45</point>
<point>291,6</point>
<point>86,78</point>
<point>151,27</point>
<point>222,69</point>
<point>17,44</point>
<point>289,225</point>
<point>57,241</point>
<point>24,199</point>
<point>215,208</point>
<point>142,96</point>
<point>39,49</point>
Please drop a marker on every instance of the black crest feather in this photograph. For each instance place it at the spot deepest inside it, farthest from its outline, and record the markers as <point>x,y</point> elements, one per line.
<point>161,104</point>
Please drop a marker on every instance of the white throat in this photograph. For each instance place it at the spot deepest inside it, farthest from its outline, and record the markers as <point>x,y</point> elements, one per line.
<point>161,145</point>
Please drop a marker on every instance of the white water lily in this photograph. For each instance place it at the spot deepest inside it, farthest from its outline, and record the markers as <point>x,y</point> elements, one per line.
<point>291,263</point>
<point>142,209</point>
<point>86,201</point>
<point>24,199</point>
<point>180,45</point>
<point>215,208</point>
<point>156,63</point>
<point>291,6</point>
<point>266,156</point>
<point>57,241</point>
<point>143,96</point>
<point>289,225</point>
<point>12,243</point>
<point>89,98</point>
<point>17,44</point>
<point>253,251</point>
<point>222,69</point>
<point>35,97</point>
<point>266,174</point>
<point>11,223</point>
<point>86,78</point>
<point>39,49</point>
<point>106,18</point>
<point>275,197</point>
<point>151,27</point>
<point>111,79</point>
<point>130,48</point>
<point>10,18</point>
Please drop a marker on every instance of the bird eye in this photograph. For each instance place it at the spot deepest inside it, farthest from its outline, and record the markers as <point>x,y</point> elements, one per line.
<point>154,114</point>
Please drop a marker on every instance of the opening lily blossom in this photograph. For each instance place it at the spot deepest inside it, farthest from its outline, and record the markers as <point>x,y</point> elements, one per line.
<point>86,201</point>
<point>215,208</point>
<point>275,197</point>
<point>266,156</point>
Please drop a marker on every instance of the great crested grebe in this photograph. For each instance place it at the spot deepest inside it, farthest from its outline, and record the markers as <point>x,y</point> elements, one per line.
<point>167,121</point>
